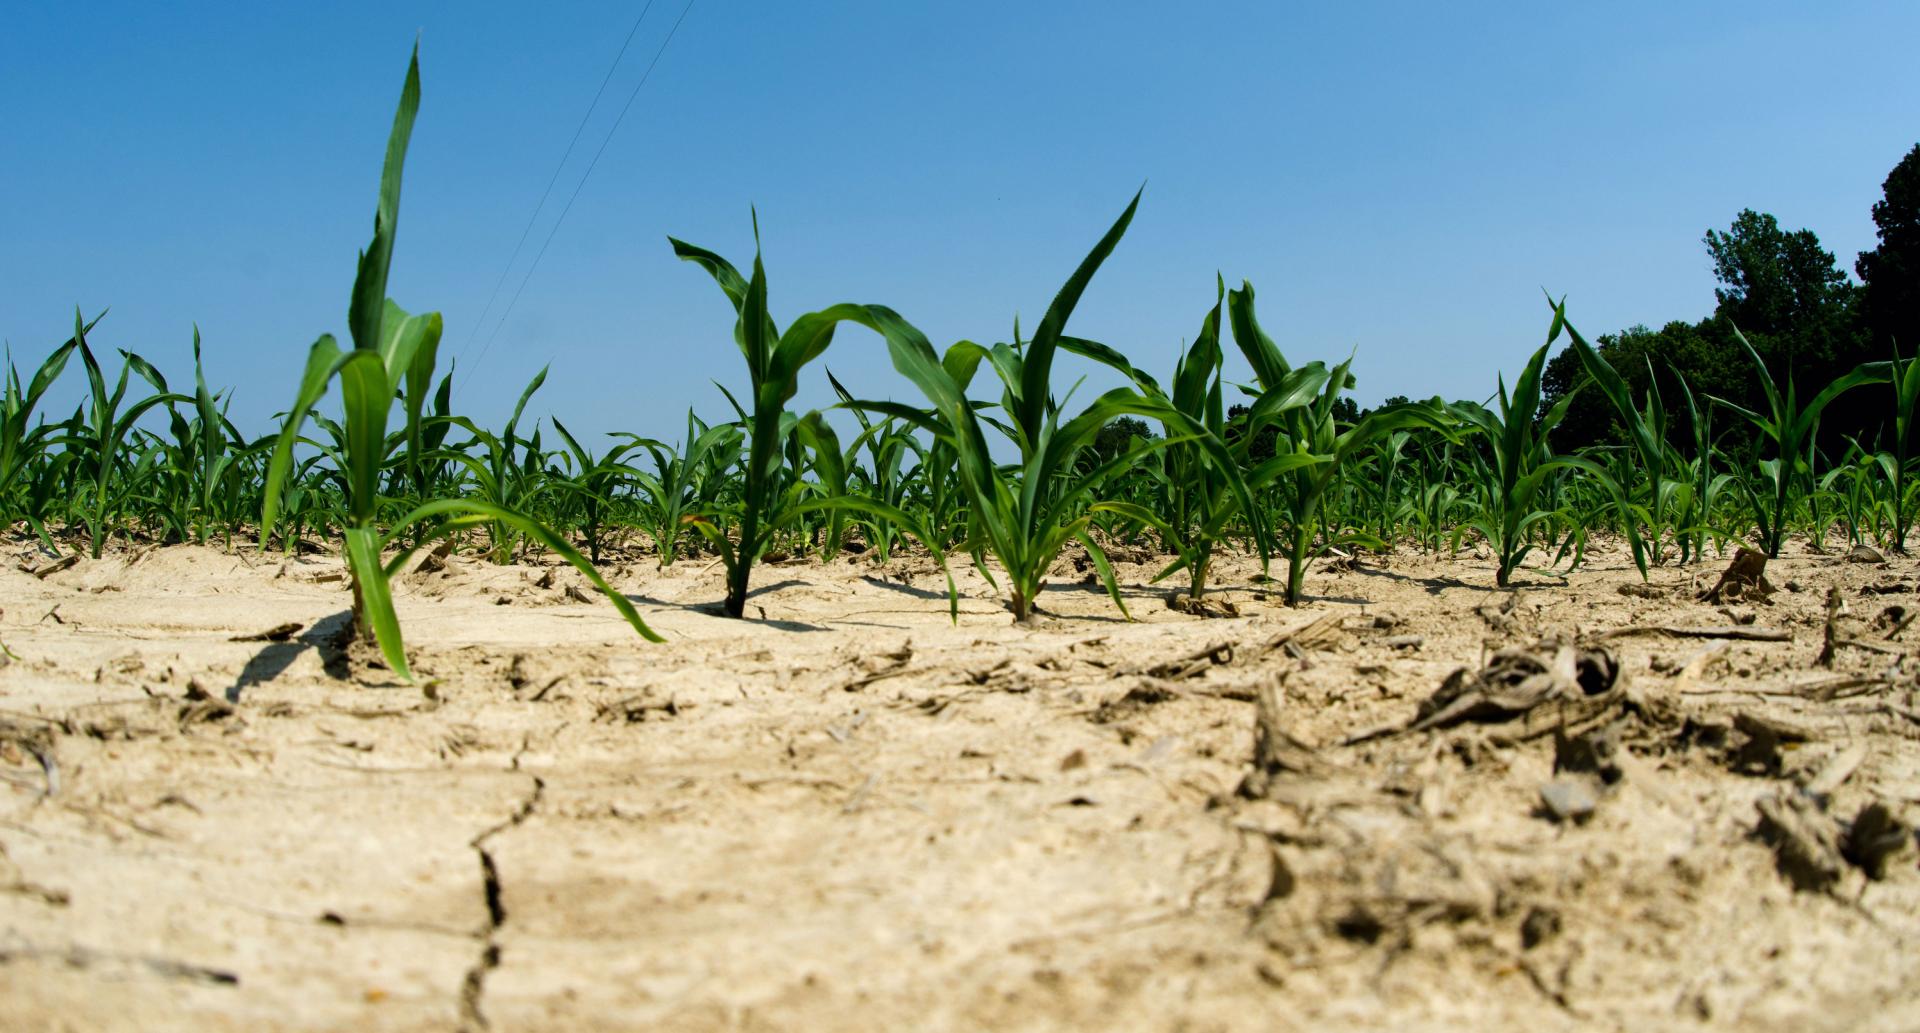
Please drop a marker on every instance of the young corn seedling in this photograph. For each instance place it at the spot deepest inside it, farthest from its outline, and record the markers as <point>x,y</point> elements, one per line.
<point>1196,500</point>
<point>682,486</point>
<point>1694,516</point>
<point>22,447</point>
<point>507,473</point>
<point>1905,375</point>
<point>97,447</point>
<point>1523,464</point>
<point>392,352</point>
<point>774,497</point>
<point>1026,512</point>
<point>1435,497</point>
<point>207,454</point>
<point>1646,435</point>
<point>313,497</point>
<point>1311,450</point>
<point>1791,428</point>
<point>882,478</point>
<point>1855,482</point>
<point>594,482</point>
<point>1383,486</point>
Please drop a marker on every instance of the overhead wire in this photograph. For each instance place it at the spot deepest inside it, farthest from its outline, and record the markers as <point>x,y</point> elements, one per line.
<point>575,196</point>
<point>558,168</point>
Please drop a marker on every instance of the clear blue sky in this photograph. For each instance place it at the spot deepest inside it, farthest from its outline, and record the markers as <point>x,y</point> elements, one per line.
<point>1400,178</point>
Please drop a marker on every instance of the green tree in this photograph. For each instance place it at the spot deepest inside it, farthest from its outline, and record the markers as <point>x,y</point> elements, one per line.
<point>1776,283</point>
<point>1890,298</point>
<point>1705,353</point>
<point>1261,447</point>
<point>1115,439</point>
<point>1782,290</point>
<point>1790,298</point>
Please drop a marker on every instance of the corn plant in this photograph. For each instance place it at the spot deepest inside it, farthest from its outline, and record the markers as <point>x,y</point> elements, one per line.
<point>97,444</point>
<point>1435,497</point>
<point>1905,377</point>
<point>594,483</point>
<point>887,445</point>
<point>508,471</point>
<point>1855,483</point>
<point>1026,512</point>
<point>425,467</point>
<point>205,456</point>
<point>934,480</point>
<point>1523,463</point>
<point>1197,500</point>
<point>773,496</point>
<point>311,498</point>
<point>1383,484</point>
<point>392,352</point>
<point>23,446</point>
<point>1647,437</point>
<point>683,486</point>
<point>1791,428</point>
<point>1694,519</point>
<point>1311,451</point>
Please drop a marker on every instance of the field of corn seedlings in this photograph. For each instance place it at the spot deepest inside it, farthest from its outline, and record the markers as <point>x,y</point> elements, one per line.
<point>987,713</point>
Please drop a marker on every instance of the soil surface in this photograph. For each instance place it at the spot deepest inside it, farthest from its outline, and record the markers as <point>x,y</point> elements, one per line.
<point>1416,802</point>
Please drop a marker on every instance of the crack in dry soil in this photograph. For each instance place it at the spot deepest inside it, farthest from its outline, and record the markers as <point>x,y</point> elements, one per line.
<point>474,986</point>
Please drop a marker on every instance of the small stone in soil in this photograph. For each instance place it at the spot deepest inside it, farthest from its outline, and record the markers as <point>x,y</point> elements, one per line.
<point>1570,799</point>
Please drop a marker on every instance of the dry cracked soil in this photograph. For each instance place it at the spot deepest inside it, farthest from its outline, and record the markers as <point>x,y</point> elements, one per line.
<point>1415,802</point>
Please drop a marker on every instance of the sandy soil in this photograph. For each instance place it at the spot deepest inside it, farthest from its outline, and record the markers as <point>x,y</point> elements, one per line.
<point>852,814</point>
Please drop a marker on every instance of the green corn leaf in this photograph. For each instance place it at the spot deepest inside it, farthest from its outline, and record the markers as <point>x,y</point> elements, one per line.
<point>367,313</point>
<point>1106,356</point>
<point>1100,564</point>
<point>1037,370</point>
<point>1269,366</point>
<point>367,396</point>
<point>961,360</point>
<point>1141,514</point>
<point>322,360</point>
<point>467,509</point>
<point>722,271</point>
<point>376,601</point>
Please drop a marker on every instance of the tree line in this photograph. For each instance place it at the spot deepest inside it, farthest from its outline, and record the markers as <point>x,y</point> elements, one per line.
<point>1808,320</point>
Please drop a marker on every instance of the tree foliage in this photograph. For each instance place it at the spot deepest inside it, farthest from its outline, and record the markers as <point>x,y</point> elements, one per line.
<point>1116,439</point>
<point>1787,296</point>
<point>1890,273</point>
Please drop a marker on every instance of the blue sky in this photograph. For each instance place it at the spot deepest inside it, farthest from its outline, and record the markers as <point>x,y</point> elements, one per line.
<point>1398,178</point>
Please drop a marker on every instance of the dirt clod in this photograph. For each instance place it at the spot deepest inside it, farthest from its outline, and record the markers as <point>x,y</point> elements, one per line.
<point>1596,752</point>
<point>1876,838</point>
<point>1205,606</point>
<point>1540,925</point>
<point>1277,753</point>
<point>1744,578</point>
<point>1805,840</point>
<point>1866,554</point>
<point>1767,738</point>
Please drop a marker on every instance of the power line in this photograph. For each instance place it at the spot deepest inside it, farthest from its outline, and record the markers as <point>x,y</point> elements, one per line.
<point>538,255</point>
<point>555,178</point>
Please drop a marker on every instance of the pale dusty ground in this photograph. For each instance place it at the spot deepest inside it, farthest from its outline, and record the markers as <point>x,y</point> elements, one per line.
<point>1009,828</point>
